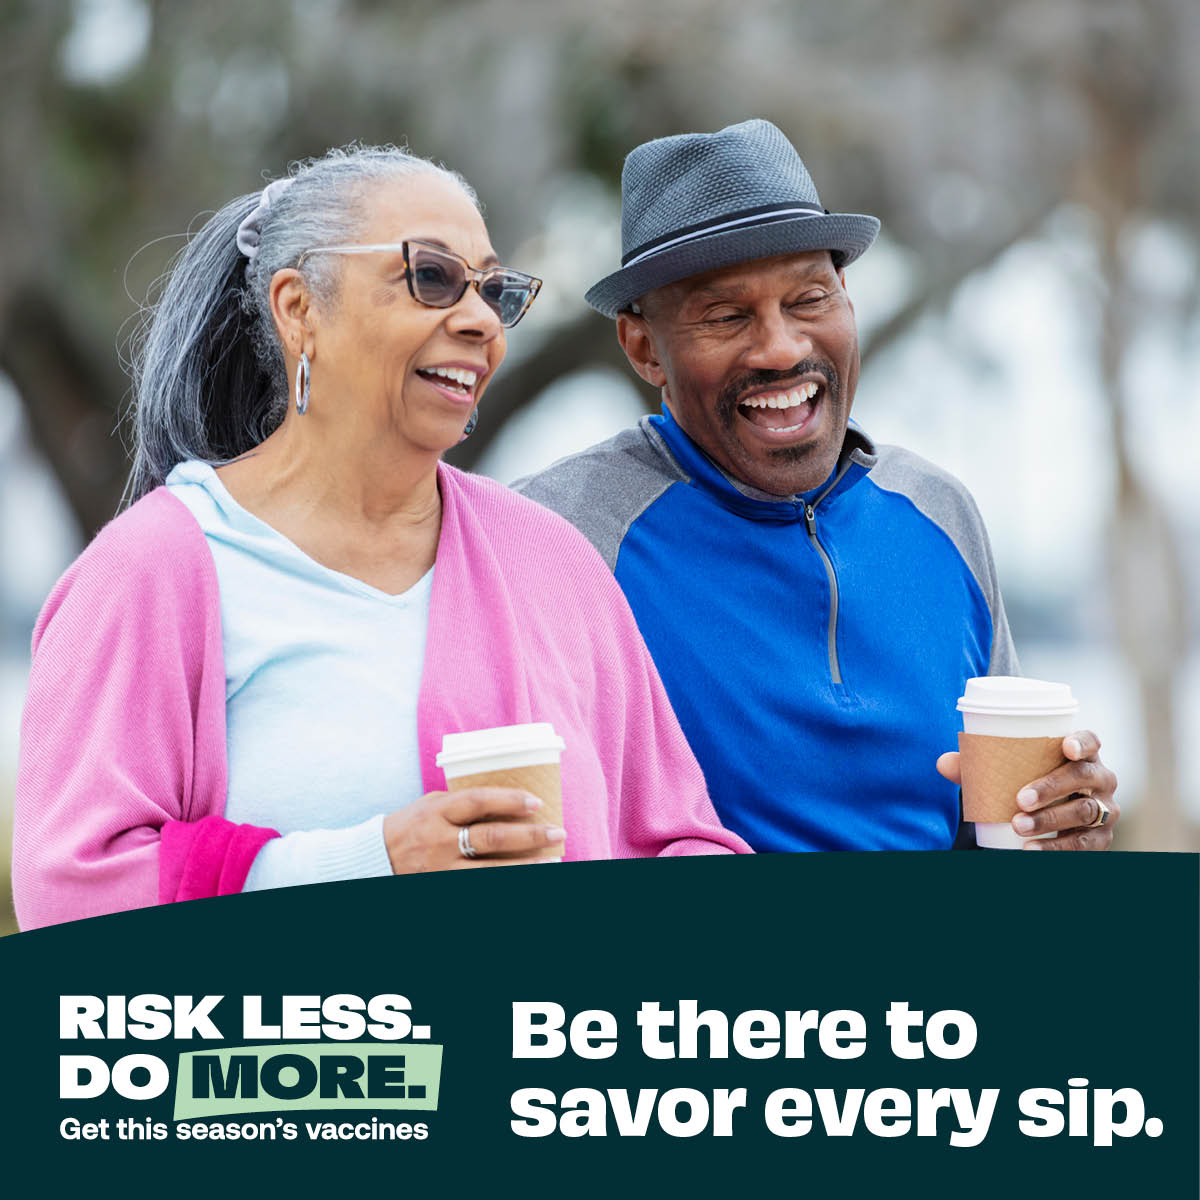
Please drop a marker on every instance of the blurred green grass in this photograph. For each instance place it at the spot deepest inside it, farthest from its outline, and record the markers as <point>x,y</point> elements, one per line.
<point>8,919</point>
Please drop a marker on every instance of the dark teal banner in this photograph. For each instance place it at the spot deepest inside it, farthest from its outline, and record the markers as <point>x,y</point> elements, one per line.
<point>953,1024</point>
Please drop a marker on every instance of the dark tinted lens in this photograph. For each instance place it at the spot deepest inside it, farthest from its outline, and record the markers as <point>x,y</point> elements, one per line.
<point>506,292</point>
<point>437,279</point>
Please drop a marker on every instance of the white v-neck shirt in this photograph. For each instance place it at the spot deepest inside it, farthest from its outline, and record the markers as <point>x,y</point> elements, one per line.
<point>322,673</point>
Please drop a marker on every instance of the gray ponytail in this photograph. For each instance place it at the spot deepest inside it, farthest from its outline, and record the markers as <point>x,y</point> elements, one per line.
<point>208,370</point>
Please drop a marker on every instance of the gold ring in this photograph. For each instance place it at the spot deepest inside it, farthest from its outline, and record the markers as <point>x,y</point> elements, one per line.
<point>1102,816</point>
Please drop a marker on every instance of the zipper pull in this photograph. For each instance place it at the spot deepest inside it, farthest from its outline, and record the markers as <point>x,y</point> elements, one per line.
<point>810,519</point>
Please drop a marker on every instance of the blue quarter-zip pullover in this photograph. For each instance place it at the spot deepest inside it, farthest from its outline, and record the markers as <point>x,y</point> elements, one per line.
<point>813,646</point>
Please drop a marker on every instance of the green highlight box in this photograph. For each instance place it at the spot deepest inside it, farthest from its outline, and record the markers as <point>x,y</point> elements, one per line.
<point>328,1075</point>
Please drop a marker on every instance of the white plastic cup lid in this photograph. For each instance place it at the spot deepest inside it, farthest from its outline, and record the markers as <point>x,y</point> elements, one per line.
<point>1016,696</point>
<point>507,740</point>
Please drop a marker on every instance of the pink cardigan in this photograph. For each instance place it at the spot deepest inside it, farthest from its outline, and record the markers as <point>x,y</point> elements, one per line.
<point>121,782</point>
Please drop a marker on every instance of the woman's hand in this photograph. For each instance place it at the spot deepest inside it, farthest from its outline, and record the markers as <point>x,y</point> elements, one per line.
<point>425,836</point>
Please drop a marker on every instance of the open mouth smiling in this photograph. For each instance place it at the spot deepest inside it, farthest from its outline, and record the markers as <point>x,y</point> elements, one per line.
<point>457,382</point>
<point>785,411</point>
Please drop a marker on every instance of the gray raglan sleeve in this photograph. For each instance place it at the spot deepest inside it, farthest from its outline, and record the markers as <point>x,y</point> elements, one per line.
<point>948,504</point>
<point>603,490</point>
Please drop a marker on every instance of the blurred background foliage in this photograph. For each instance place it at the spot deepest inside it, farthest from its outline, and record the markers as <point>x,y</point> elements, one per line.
<point>1064,128</point>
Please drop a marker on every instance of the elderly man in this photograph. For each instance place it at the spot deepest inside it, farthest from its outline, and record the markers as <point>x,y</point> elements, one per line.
<point>814,602</point>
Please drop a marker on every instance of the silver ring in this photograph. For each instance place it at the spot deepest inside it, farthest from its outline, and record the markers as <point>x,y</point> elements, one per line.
<point>464,842</point>
<point>1102,816</point>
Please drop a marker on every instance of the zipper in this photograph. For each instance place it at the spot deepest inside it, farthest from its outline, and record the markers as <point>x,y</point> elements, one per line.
<point>810,521</point>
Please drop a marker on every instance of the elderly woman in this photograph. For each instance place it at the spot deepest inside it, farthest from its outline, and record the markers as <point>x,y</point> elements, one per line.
<point>243,682</point>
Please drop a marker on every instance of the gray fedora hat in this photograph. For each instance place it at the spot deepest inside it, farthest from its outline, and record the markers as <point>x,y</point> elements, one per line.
<point>700,201</point>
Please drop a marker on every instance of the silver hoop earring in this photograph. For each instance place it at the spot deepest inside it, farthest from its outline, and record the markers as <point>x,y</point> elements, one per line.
<point>303,382</point>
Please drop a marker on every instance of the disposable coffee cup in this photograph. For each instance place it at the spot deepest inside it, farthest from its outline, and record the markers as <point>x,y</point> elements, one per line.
<point>514,756</point>
<point>1012,734</point>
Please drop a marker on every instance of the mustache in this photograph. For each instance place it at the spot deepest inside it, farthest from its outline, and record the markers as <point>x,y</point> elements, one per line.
<point>727,401</point>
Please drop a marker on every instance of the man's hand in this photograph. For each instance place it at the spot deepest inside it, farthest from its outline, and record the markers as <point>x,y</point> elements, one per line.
<point>1067,800</point>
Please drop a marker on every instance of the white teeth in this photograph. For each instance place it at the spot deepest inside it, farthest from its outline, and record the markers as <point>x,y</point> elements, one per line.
<point>456,374</point>
<point>806,391</point>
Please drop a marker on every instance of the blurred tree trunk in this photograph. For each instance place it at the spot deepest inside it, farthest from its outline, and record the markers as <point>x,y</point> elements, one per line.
<point>588,341</point>
<point>70,397</point>
<point>1145,570</point>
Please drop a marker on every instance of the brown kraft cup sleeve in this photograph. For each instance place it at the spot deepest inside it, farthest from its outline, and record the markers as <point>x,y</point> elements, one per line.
<point>544,780</point>
<point>995,769</point>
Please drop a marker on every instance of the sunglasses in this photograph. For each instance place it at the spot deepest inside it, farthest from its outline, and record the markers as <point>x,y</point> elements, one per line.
<point>439,278</point>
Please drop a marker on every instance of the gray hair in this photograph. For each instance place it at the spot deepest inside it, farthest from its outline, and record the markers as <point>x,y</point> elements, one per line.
<point>208,370</point>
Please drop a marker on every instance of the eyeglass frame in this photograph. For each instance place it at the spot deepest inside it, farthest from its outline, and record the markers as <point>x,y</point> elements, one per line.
<point>473,276</point>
